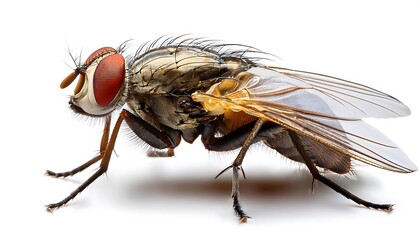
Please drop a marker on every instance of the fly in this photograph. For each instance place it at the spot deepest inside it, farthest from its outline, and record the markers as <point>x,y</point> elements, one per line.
<point>178,90</point>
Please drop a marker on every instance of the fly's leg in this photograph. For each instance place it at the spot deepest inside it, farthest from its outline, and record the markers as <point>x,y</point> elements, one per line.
<point>105,156</point>
<point>76,170</point>
<point>169,152</point>
<point>164,140</point>
<point>316,175</point>
<point>104,143</point>
<point>237,166</point>
<point>243,217</point>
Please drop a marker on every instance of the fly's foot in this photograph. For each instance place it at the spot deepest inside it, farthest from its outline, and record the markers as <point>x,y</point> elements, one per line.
<point>51,207</point>
<point>53,174</point>
<point>243,217</point>
<point>58,174</point>
<point>383,207</point>
<point>72,195</point>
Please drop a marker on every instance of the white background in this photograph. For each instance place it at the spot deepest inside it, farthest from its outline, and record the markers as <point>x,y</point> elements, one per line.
<point>371,42</point>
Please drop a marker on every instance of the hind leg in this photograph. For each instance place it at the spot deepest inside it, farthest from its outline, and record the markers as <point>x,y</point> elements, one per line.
<point>315,173</point>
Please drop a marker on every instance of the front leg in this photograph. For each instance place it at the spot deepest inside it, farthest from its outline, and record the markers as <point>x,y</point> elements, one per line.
<point>158,139</point>
<point>105,156</point>
<point>103,146</point>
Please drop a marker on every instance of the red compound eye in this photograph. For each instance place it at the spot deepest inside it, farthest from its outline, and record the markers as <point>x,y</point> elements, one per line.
<point>108,79</point>
<point>99,53</point>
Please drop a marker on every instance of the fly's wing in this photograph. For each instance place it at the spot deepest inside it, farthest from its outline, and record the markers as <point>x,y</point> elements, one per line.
<point>325,109</point>
<point>356,100</point>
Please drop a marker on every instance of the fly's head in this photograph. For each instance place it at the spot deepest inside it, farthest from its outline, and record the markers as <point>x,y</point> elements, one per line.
<point>102,83</point>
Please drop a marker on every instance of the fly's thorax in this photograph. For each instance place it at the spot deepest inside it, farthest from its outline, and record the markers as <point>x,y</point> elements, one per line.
<point>183,68</point>
<point>171,111</point>
<point>161,82</point>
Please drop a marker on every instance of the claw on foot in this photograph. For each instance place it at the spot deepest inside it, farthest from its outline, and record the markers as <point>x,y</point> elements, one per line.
<point>50,173</point>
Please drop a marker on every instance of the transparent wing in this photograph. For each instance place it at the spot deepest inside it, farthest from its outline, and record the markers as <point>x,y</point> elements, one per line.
<point>325,109</point>
<point>346,99</point>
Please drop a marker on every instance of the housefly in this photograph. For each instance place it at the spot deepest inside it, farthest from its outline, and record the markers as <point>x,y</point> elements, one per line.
<point>178,89</point>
